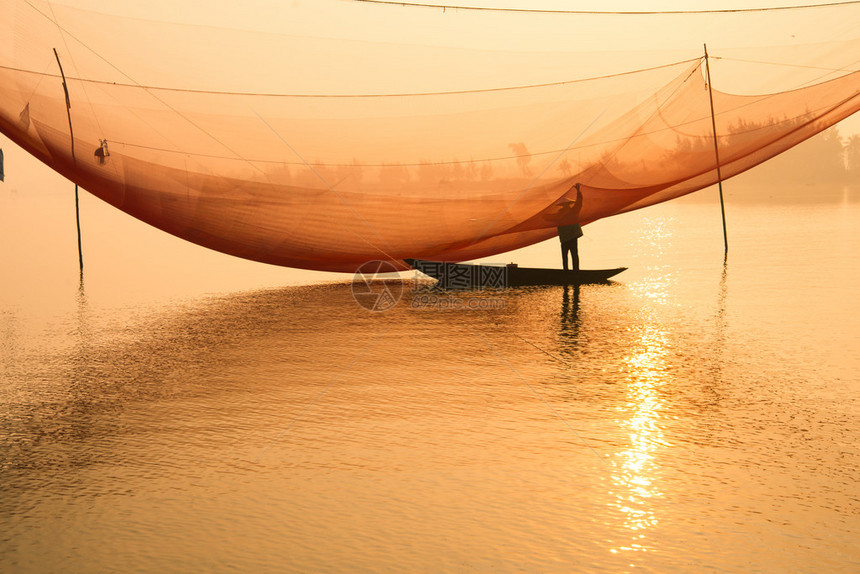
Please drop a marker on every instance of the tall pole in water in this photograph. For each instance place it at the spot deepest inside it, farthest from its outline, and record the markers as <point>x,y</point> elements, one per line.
<point>74,161</point>
<point>716,150</point>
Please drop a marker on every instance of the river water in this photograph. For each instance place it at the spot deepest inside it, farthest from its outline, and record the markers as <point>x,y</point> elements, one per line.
<point>183,411</point>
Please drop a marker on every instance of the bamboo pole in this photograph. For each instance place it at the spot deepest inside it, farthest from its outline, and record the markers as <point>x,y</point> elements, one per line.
<point>74,161</point>
<point>716,151</point>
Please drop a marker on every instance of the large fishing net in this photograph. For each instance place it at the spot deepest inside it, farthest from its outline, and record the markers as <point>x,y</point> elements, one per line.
<point>328,134</point>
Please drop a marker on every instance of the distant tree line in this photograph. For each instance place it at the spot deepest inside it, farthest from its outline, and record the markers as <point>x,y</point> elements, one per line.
<point>827,157</point>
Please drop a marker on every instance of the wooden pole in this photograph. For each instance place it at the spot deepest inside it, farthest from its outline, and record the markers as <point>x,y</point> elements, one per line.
<point>716,151</point>
<point>74,161</point>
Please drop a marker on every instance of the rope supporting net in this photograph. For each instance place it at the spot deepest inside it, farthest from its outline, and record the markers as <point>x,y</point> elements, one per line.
<point>451,136</point>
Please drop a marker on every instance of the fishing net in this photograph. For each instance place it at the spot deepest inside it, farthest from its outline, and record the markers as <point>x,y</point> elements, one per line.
<point>325,136</point>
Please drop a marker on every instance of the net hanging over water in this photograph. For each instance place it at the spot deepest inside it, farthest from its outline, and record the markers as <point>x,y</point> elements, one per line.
<point>323,136</point>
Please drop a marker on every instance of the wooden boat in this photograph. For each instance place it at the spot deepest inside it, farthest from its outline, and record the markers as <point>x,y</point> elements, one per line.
<point>466,276</point>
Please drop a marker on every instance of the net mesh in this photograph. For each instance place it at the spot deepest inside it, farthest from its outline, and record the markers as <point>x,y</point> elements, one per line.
<point>320,148</point>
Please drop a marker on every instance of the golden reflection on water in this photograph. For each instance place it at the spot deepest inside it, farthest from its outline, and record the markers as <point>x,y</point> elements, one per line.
<point>636,472</point>
<point>634,469</point>
<point>652,241</point>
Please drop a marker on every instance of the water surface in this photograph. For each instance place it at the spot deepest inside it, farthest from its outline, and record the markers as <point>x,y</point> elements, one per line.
<point>693,415</point>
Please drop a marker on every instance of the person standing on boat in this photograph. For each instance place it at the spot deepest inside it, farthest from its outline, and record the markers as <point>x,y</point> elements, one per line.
<point>569,234</point>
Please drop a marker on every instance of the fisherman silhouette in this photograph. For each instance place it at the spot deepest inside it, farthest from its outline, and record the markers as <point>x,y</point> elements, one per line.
<point>570,234</point>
